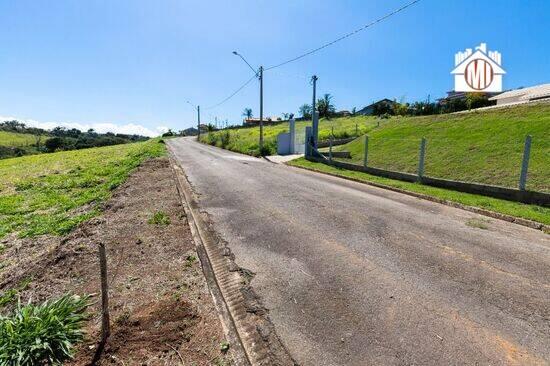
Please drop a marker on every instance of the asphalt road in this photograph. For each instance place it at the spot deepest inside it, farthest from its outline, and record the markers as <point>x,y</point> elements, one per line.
<point>357,275</point>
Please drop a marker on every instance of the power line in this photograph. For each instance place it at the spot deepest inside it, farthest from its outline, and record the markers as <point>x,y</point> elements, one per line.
<point>345,36</point>
<point>232,95</point>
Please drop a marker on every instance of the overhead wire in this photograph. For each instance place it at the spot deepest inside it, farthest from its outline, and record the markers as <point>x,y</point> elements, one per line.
<point>344,36</point>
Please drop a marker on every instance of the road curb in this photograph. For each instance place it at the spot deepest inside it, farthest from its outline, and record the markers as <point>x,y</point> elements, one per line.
<point>495,215</point>
<point>223,281</point>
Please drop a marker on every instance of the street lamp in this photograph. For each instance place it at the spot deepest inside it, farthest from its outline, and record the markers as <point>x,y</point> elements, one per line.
<point>198,118</point>
<point>260,74</point>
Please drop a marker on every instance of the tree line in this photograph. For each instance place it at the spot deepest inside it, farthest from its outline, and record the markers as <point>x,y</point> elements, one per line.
<point>60,138</point>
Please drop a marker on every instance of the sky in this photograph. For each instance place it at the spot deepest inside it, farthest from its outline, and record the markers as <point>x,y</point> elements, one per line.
<point>130,66</point>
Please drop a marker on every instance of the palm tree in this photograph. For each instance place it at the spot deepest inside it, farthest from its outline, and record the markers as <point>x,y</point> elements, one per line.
<point>325,106</point>
<point>247,112</point>
<point>305,110</point>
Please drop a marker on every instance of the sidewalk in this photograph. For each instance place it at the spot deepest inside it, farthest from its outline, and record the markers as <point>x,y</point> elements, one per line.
<point>281,159</point>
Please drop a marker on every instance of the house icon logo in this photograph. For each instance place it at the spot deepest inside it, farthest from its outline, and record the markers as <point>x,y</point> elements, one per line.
<point>478,71</point>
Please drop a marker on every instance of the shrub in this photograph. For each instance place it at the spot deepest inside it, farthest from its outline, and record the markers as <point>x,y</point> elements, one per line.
<point>43,334</point>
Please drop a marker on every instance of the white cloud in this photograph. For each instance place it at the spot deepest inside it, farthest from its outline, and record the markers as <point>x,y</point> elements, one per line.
<point>129,128</point>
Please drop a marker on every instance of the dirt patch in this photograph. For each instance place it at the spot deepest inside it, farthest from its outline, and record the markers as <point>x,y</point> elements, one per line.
<point>161,308</point>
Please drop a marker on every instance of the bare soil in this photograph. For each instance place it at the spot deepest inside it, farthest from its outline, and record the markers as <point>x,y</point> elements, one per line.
<point>161,309</point>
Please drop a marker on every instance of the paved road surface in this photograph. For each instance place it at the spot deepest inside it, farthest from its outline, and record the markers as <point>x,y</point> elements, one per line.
<point>356,275</point>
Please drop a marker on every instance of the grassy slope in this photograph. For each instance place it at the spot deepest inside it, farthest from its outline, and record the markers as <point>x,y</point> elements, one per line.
<point>483,147</point>
<point>530,212</point>
<point>245,140</point>
<point>13,139</point>
<point>52,193</point>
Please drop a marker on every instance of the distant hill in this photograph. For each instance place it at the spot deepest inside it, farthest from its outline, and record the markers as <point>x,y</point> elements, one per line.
<point>17,139</point>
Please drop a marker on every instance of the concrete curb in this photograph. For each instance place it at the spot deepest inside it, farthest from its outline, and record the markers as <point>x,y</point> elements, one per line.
<point>224,284</point>
<point>481,211</point>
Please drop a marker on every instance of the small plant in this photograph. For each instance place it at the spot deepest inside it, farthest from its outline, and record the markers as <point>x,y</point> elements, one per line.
<point>191,258</point>
<point>43,334</point>
<point>159,218</point>
<point>224,347</point>
<point>10,295</point>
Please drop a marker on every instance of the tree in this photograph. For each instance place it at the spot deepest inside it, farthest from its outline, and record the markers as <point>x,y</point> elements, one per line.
<point>353,111</point>
<point>54,143</point>
<point>325,106</point>
<point>305,110</point>
<point>247,113</point>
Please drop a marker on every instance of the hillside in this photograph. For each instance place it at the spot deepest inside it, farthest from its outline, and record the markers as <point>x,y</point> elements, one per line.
<point>52,193</point>
<point>485,146</point>
<point>13,139</point>
<point>245,140</point>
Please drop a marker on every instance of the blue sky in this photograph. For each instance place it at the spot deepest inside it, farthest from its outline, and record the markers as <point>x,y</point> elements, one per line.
<point>131,65</point>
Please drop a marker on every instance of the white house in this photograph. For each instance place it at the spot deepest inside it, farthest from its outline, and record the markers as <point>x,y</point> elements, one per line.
<point>478,70</point>
<point>523,95</point>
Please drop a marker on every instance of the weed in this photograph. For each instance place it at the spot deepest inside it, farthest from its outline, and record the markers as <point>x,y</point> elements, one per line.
<point>224,346</point>
<point>10,295</point>
<point>43,334</point>
<point>159,218</point>
<point>191,258</point>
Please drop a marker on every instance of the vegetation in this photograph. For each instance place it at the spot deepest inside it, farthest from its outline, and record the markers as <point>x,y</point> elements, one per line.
<point>10,295</point>
<point>245,139</point>
<point>17,139</point>
<point>159,218</point>
<point>42,334</point>
<point>305,111</point>
<point>530,212</point>
<point>485,147</point>
<point>52,193</point>
<point>325,107</point>
<point>247,113</point>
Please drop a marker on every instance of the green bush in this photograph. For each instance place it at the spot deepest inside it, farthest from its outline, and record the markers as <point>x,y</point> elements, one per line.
<point>43,334</point>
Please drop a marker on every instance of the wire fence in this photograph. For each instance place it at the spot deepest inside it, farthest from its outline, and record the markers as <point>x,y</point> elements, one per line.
<point>491,161</point>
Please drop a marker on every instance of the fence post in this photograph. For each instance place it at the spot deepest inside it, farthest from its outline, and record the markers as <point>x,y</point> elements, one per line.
<point>525,163</point>
<point>332,131</point>
<point>421,156</point>
<point>366,159</point>
<point>330,150</point>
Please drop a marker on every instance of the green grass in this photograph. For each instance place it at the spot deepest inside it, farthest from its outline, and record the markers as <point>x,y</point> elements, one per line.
<point>10,295</point>
<point>245,140</point>
<point>13,139</point>
<point>530,212</point>
<point>159,218</point>
<point>53,193</point>
<point>43,334</point>
<point>484,147</point>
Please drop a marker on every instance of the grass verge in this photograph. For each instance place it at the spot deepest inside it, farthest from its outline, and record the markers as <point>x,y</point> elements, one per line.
<point>529,212</point>
<point>53,193</point>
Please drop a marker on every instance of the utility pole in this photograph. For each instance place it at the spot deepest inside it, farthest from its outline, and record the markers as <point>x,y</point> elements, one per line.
<point>261,76</point>
<point>199,121</point>
<point>314,119</point>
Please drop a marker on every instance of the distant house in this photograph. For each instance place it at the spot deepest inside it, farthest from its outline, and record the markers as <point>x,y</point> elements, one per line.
<point>256,121</point>
<point>380,105</point>
<point>342,113</point>
<point>523,95</point>
<point>454,95</point>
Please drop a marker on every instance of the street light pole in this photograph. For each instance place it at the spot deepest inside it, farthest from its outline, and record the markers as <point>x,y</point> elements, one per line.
<point>199,121</point>
<point>261,110</point>
<point>260,75</point>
